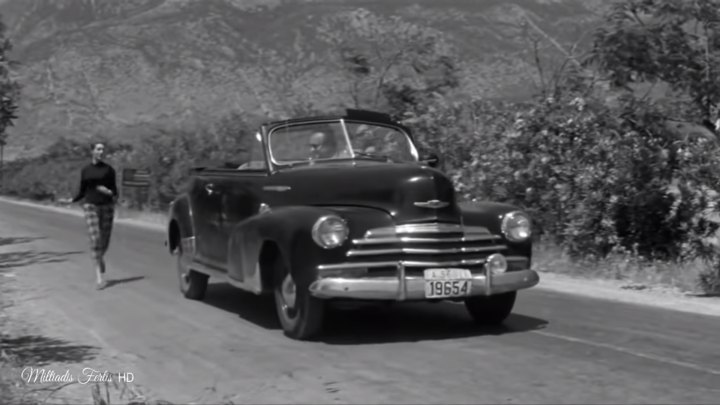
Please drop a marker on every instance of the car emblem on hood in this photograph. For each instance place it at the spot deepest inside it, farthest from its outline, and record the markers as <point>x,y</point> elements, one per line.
<point>432,204</point>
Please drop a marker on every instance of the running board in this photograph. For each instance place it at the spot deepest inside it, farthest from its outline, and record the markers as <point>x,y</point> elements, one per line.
<point>222,274</point>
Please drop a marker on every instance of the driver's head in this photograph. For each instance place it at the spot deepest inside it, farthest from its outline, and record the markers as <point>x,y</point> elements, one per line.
<point>322,145</point>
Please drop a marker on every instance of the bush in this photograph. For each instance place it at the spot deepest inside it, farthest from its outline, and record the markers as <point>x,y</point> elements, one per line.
<point>171,154</point>
<point>56,173</point>
<point>710,278</point>
<point>594,177</point>
<point>168,154</point>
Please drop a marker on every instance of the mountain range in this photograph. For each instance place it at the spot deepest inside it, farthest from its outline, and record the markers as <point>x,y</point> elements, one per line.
<point>126,68</point>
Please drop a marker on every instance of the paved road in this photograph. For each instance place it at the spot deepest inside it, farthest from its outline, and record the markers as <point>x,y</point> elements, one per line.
<point>556,348</point>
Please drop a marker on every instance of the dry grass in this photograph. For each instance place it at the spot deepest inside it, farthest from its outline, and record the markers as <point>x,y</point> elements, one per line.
<point>10,387</point>
<point>633,271</point>
<point>12,390</point>
<point>15,390</point>
<point>7,364</point>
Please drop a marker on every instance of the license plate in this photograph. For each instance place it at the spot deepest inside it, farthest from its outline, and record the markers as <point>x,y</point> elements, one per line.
<point>447,283</point>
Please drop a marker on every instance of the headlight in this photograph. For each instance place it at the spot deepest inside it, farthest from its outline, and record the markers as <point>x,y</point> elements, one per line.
<point>330,231</point>
<point>516,226</point>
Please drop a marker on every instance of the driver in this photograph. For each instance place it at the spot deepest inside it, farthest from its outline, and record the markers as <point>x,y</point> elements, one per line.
<point>324,146</point>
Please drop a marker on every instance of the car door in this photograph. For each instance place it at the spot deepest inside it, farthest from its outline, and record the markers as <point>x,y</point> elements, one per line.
<point>208,197</point>
<point>241,199</point>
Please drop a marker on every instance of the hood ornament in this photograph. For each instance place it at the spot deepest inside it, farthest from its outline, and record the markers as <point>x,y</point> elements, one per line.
<point>435,204</point>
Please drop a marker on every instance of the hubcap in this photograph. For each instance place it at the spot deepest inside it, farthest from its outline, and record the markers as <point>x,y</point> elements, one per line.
<point>289,293</point>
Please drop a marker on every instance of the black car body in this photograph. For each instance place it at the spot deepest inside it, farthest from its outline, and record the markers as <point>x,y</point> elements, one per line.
<point>373,221</point>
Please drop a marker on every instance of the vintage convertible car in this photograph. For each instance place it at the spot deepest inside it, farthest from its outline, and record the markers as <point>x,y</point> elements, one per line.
<point>344,208</point>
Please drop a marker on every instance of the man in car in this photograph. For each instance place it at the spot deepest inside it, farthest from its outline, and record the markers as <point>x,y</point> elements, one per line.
<point>325,146</point>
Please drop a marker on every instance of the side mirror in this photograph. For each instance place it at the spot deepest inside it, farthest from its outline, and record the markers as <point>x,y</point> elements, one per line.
<point>431,159</point>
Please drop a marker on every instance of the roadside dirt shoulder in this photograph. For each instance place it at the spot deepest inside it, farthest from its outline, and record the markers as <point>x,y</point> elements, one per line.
<point>621,291</point>
<point>48,356</point>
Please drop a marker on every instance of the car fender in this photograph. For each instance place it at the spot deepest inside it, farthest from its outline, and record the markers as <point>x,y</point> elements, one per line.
<point>289,231</point>
<point>180,224</point>
<point>489,215</point>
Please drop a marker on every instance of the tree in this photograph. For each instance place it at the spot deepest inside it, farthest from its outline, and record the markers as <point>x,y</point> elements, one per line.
<point>286,82</point>
<point>673,42</point>
<point>398,67</point>
<point>9,88</point>
<point>389,62</point>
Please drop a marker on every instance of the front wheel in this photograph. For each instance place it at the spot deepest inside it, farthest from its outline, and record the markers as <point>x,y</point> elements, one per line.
<point>301,315</point>
<point>492,310</point>
<point>192,284</point>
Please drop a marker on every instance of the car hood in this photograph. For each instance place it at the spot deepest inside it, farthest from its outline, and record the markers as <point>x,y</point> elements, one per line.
<point>408,192</point>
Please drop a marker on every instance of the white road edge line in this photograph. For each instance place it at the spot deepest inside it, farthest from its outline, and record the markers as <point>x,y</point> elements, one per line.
<point>630,352</point>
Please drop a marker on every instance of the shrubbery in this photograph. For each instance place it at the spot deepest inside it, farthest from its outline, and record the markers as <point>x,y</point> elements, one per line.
<point>595,181</point>
<point>54,174</point>
<point>170,155</point>
<point>598,178</point>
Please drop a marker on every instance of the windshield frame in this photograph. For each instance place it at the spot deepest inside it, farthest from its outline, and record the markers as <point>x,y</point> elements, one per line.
<point>342,121</point>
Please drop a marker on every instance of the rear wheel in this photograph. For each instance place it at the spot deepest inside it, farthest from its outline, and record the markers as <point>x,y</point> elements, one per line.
<point>301,315</point>
<point>192,284</point>
<point>492,310</point>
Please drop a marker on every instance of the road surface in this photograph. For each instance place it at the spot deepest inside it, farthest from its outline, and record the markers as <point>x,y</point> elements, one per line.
<point>556,347</point>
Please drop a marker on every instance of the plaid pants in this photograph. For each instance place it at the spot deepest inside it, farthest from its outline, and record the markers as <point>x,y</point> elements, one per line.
<point>99,220</point>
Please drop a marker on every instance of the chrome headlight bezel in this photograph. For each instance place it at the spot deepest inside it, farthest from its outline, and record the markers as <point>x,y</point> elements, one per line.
<point>516,226</point>
<point>496,263</point>
<point>321,231</point>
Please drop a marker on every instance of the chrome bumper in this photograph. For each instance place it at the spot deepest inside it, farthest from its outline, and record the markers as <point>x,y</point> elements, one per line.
<point>402,287</point>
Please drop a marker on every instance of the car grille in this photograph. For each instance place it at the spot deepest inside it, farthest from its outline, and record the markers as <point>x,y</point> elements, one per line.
<point>419,246</point>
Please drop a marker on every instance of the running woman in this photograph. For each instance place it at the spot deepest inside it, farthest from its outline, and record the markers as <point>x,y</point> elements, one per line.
<point>98,190</point>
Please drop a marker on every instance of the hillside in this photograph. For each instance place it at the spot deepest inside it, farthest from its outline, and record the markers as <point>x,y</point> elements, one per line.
<point>128,68</point>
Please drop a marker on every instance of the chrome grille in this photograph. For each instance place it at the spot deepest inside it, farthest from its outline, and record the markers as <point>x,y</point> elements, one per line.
<point>426,239</point>
<point>424,251</point>
<point>431,228</point>
<point>425,245</point>
<point>412,248</point>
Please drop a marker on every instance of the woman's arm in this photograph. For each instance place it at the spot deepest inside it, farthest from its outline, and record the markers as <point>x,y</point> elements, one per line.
<point>82,189</point>
<point>112,181</point>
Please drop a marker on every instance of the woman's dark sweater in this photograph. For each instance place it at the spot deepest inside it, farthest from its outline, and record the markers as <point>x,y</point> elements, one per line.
<point>92,176</point>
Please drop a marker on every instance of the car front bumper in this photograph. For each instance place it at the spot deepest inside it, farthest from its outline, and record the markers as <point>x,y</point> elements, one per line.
<point>403,287</point>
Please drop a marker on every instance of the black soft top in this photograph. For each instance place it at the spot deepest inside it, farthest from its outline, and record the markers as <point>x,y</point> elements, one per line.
<point>350,114</point>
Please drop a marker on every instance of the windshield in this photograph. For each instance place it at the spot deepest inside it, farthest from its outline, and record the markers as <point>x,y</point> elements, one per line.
<point>337,140</point>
